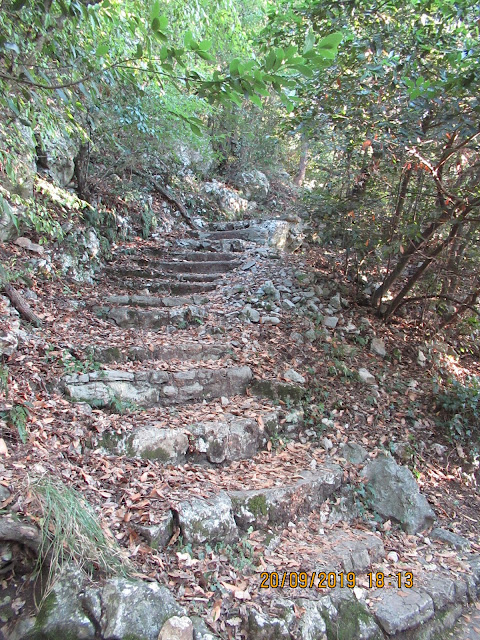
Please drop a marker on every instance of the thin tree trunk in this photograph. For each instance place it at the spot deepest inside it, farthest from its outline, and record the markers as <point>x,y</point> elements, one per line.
<point>302,167</point>
<point>397,301</point>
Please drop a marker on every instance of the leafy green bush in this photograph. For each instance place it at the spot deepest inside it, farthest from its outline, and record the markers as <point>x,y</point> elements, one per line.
<point>460,405</point>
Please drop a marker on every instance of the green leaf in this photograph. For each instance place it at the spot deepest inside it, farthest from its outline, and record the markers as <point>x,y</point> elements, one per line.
<point>234,97</point>
<point>188,40</point>
<point>331,41</point>
<point>205,45</point>
<point>102,49</point>
<point>304,70</point>
<point>327,54</point>
<point>155,10</point>
<point>256,100</point>
<point>270,61</point>
<point>205,55</point>
<point>309,42</point>
<point>196,130</point>
<point>139,52</point>
<point>233,68</point>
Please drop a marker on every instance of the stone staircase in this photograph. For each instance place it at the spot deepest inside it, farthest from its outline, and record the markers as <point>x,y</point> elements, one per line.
<point>178,293</point>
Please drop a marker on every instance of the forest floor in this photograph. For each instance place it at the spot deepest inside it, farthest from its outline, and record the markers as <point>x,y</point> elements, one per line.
<point>401,417</point>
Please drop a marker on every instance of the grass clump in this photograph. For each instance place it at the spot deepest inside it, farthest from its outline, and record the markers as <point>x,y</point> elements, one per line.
<point>72,533</point>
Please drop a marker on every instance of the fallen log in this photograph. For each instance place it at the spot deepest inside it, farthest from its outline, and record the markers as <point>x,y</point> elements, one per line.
<point>21,305</point>
<point>169,197</point>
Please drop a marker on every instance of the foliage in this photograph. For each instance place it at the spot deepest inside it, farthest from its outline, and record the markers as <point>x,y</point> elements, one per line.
<point>71,532</point>
<point>17,417</point>
<point>460,406</point>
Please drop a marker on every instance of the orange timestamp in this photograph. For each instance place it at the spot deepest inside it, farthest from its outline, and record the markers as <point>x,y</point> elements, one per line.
<point>332,579</point>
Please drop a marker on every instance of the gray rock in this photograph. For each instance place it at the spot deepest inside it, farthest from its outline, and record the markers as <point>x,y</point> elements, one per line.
<point>294,376</point>
<point>330,322</point>
<point>177,628</point>
<point>442,590</point>
<point>4,493</point>
<point>365,376</point>
<point>287,304</point>
<point>62,613</point>
<point>395,495</point>
<point>158,535</point>
<point>248,265</point>
<point>377,347</point>
<point>352,619</point>
<point>312,625</point>
<point>264,627</point>
<point>270,320</point>
<point>153,443</point>
<point>396,613</point>
<point>254,184</point>
<point>135,609</point>
<point>200,630</point>
<point>207,519</point>
<point>335,302</point>
<point>26,243</point>
<point>450,538</point>
<point>297,337</point>
<point>252,314</point>
<point>354,453</point>
<point>358,554</point>
<point>309,335</point>
<point>227,440</point>
<point>283,504</point>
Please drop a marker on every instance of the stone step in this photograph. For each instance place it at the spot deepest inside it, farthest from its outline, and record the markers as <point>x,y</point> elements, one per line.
<point>121,272</point>
<point>192,256</point>
<point>147,388</point>
<point>216,441</point>
<point>153,301</point>
<point>174,287</point>
<point>190,352</point>
<point>190,266</point>
<point>152,319</point>
<point>225,516</point>
<point>225,245</point>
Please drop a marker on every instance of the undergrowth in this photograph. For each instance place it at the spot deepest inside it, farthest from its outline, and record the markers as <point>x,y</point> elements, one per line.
<point>72,533</point>
<point>459,406</point>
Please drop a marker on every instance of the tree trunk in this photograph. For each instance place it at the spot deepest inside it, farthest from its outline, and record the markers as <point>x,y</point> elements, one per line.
<point>302,166</point>
<point>81,170</point>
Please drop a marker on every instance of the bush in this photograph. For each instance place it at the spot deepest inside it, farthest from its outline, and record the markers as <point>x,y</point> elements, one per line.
<point>460,404</point>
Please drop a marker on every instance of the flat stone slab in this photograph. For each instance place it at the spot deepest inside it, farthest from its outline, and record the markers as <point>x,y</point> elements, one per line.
<point>207,520</point>
<point>149,388</point>
<point>275,506</point>
<point>400,611</point>
<point>191,352</point>
<point>154,301</point>
<point>191,256</point>
<point>190,266</point>
<point>127,317</point>
<point>215,441</point>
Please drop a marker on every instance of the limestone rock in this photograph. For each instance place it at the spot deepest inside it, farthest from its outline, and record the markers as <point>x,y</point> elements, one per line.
<point>366,377</point>
<point>396,613</point>
<point>207,519</point>
<point>136,609</point>
<point>354,453</point>
<point>254,184</point>
<point>153,443</point>
<point>227,199</point>
<point>62,613</point>
<point>330,322</point>
<point>264,627</point>
<point>294,376</point>
<point>26,243</point>
<point>177,628</point>
<point>377,347</point>
<point>283,504</point>
<point>396,495</point>
<point>452,539</point>
<point>312,625</point>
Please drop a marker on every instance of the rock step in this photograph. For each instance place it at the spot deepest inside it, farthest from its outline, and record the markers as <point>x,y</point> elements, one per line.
<point>191,352</point>
<point>120,272</point>
<point>226,515</point>
<point>226,245</point>
<point>215,441</point>
<point>148,388</point>
<point>174,287</point>
<point>190,266</point>
<point>237,234</point>
<point>192,256</point>
<point>153,319</point>
<point>152,301</point>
